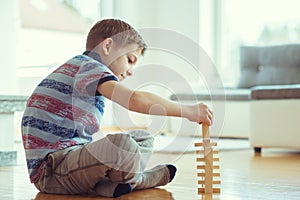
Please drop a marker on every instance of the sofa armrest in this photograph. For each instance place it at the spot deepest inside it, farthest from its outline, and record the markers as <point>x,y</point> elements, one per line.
<point>229,94</point>
<point>291,91</point>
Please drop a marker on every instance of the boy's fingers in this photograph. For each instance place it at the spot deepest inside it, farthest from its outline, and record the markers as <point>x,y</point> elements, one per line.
<point>211,118</point>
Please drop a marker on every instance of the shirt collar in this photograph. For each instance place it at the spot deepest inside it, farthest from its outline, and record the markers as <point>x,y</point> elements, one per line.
<point>93,55</point>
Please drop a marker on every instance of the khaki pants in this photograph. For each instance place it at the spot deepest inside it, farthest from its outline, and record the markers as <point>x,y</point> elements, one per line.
<point>98,167</point>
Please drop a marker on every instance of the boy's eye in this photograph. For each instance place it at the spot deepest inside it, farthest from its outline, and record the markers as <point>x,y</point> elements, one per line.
<point>130,60</point>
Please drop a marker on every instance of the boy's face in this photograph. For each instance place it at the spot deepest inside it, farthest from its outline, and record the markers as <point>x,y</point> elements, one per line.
<point>123,59</point>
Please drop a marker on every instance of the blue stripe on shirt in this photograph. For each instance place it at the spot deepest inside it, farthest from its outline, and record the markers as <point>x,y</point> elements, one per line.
<point>59,86</point>
<point>34,163</point>
<point>68,90</point>
<point>49,127</point>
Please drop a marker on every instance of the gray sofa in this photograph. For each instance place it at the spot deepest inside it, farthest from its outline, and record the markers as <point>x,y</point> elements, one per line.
<point>265,105</point>
<point>272,74</point>
<point>269,65</point>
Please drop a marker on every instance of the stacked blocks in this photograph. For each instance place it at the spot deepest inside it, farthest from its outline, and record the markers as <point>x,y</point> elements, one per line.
<point>206,159</point>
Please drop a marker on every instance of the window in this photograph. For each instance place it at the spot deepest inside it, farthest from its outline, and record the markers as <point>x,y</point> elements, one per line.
<point>252,22</point>
<point>46,40</point>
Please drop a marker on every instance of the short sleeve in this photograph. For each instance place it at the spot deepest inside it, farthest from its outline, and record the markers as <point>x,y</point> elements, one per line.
<point>90,75</point>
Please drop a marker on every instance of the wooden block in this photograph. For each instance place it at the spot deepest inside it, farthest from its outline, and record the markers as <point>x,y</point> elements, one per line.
<point>207,165</point>
<point>202,174</point>
<point>218,182</point>
<point>200,166</point>
<point>216,167</point>
<point>200,144</point>
<point>203,167</point>
<point>200,159</point>
<point>208,170</point>
<point>205,132</point>
<point>203,151</point>
<point>204,191</point>
<point>216,190</point>
<point>216,174</point>
<point>203,159</point>
<point>202,182</point>
<point>201,190</point>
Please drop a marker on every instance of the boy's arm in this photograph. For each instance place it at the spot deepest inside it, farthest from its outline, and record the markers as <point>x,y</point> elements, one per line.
<point>149,103</point>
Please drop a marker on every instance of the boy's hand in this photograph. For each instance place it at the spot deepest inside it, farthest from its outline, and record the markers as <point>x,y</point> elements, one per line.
<point>201,114</point>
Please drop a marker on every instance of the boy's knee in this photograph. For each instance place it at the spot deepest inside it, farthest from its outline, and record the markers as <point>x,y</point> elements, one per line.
<point>123,142</point>
<point>140,135</point>
<point>144,140</point>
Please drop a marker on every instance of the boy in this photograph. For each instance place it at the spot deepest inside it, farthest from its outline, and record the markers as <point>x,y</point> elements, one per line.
<point>65,110</point>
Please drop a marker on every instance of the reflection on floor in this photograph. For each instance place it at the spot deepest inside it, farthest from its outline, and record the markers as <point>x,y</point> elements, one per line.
<point>273,175</point>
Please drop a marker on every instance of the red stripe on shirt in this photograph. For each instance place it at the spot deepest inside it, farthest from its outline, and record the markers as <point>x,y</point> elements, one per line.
<point>67,69</point>
<point>33,142</point>
<point>63,109</point>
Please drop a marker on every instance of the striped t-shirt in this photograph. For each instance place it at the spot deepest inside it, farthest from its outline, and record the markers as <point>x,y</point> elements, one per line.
<point>64,110</point>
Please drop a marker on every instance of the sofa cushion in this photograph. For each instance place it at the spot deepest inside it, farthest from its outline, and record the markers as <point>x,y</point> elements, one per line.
<point>215,95</point>
<point>270,65</point>
<point>276,92</point>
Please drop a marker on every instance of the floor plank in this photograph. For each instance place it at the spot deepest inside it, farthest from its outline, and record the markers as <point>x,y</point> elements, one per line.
<point>273,175</point>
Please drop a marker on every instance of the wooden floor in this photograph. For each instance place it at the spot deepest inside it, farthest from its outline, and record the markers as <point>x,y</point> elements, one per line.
<point>273,175</point>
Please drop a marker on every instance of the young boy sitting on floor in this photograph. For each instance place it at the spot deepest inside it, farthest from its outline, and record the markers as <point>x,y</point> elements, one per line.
<point>65,110</point>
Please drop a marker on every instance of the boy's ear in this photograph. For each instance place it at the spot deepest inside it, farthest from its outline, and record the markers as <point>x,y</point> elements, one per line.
<point>107,45</point>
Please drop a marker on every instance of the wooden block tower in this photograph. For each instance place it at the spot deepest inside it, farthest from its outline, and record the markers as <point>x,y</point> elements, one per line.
<point>206,159</point>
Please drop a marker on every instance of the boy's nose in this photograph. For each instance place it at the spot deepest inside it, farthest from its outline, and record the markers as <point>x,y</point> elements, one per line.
<point>129,72</point>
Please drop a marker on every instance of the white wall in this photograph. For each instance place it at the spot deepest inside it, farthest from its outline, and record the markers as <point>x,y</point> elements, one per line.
<point>181,17</point>
<point>177,15</point>
<point>9,21</point>
<point>41,51</point>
